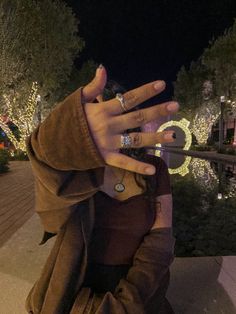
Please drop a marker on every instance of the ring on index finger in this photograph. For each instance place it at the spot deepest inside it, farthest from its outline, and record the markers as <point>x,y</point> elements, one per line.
<point>121,99</point>
<point>126,141</point>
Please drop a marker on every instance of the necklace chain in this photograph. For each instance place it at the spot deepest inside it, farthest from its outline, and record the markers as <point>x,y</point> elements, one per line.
<point>119,186</point>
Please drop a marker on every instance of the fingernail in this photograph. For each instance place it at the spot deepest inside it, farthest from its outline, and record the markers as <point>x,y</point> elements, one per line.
<point>150,170</point>
<point>159,84</point>
<point>173,107</point>
<point>169,136</point>
<point>99,69</point>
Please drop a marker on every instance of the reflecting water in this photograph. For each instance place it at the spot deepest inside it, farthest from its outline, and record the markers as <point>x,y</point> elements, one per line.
<point>204,198</point>
<point>212,175</point>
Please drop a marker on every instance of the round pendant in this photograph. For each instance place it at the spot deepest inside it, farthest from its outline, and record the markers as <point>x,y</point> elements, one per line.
<point>119,187</point>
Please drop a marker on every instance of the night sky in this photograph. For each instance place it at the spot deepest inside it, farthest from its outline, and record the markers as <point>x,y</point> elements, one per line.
<point>141,41</point>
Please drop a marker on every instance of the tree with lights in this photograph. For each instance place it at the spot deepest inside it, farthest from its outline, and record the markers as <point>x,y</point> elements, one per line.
<point>23,117</point>
<point>39,41</point>
<point>194,91</point>
<point>189,88</point>
<point>203,121</point>
<point>220,59</point>
<point>42,37</point>
<point>199,89</point>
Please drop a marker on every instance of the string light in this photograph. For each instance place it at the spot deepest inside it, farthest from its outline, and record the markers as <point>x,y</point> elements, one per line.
<point>183,124</point>
<point>21,116</point>
<point>183,169</point>
<point>202,172</point>
<point>203,122</point>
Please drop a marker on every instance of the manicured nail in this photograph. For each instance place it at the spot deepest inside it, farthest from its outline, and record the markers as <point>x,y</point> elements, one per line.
<point>168,136</point>
<point>150,170</point>
<point>99,68</point>
<point>159,84</point>
<point>173,106</point>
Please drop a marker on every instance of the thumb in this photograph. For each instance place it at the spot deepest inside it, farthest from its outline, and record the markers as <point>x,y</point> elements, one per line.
<point>96,86</point>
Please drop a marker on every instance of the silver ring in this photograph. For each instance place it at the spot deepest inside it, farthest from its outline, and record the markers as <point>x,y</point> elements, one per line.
<point>126,141</point>
<point>121,99</point>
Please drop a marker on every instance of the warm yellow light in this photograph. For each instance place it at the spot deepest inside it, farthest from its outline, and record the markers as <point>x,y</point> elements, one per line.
<point>203,173</point>
<point>22,117</point>
<point>183,124</point>
<point>183,169</point>
<point>203,122</point>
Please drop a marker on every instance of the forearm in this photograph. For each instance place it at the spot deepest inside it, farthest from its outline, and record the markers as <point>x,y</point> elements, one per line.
<point>152,262</point>
<point>163,212</point>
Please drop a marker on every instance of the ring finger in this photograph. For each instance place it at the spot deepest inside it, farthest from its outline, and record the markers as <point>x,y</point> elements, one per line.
<point>139,139</point>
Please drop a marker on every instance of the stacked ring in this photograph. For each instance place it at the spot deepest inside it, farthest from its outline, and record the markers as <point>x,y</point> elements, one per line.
<point>126,140</point>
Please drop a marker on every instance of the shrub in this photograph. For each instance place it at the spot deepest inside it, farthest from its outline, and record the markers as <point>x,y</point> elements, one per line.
<point>4,158</point>
<point>202,231</point>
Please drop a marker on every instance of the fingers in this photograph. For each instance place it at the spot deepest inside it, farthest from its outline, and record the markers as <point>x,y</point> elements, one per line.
<point>135,97</point>
<point>96,86</point>
<point>140,139</point>
<point>122,161</point>
<point>141,117</point>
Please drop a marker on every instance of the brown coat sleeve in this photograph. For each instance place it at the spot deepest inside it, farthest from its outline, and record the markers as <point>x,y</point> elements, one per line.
<point>66,163</point>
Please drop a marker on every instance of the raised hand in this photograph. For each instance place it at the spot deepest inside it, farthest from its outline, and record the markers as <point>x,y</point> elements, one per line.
<point>108,121</point>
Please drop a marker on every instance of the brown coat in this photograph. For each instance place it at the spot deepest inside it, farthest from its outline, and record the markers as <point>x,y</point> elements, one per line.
<point>68,171</point>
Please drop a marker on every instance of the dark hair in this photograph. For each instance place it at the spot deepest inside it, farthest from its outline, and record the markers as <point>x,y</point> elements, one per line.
<point>111,89</point>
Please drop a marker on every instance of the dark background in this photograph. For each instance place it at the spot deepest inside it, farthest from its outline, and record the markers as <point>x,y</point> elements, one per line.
<point>141,41</point>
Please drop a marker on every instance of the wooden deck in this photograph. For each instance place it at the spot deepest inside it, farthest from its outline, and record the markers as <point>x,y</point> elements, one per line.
<point>16,198</point>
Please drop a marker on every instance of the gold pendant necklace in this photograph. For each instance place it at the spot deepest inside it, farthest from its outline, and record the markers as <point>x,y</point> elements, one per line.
<point>119,186</point>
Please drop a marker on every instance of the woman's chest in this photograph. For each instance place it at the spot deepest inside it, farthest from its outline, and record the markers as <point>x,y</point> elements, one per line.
<point>121,185</point>
<point>133,213</point>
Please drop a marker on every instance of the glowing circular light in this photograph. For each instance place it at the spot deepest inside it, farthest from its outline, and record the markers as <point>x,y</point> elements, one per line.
<point>183,124</point>
<point>183,169</point>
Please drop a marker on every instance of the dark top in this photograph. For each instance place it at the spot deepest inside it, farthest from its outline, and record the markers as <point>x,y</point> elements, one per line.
<point>119,230</point>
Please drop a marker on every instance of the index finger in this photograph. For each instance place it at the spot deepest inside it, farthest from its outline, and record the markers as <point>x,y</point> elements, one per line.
<point>135,97</point>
